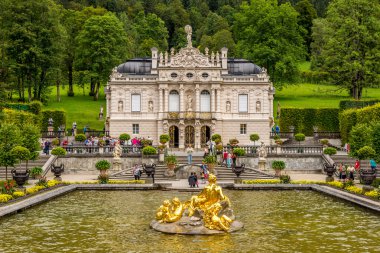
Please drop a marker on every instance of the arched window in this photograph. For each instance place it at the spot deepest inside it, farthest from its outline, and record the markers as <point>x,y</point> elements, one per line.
<point>205,101</point>
<point>173,101</point>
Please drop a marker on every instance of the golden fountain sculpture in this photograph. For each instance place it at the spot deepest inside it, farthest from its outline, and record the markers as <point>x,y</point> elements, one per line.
<point>209,209</point>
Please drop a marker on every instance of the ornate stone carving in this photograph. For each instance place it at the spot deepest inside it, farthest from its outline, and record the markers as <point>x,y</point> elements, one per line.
<point>228,106</point>
<point>165,125</point>
<point>150,106</point>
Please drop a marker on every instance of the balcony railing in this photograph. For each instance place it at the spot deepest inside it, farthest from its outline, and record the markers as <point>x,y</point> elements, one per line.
<point>81,149</point>
<point>274,149</point>
<point>189,115</point>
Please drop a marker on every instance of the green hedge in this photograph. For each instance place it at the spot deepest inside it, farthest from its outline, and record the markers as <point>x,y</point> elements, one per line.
<point>314,76</point>
<point>349,118</point>
<point>326,119</point>
<point>58,116</point>
<point>349,104</point>
<point>34,107</point>
<point>20,118</point>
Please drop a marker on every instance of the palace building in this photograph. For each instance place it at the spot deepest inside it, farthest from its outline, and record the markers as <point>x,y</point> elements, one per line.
<point>190,95</point>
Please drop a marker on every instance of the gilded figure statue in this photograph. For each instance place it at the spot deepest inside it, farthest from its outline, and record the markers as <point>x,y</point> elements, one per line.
<point>208,205</point>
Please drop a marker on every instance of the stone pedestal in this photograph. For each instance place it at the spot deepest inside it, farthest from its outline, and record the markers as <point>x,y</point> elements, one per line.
<point>329,179</point>
<point>116,164</point>
<point>262,163</point>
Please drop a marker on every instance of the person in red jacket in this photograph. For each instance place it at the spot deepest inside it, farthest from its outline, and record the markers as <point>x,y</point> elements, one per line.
<point>357,165</point>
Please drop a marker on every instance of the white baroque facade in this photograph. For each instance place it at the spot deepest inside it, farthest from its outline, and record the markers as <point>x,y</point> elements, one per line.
<point>190,96</point>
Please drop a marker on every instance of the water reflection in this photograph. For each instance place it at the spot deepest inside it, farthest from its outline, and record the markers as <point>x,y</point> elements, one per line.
<point>118,221</point>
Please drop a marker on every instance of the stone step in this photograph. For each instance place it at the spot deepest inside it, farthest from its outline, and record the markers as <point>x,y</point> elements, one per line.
<point>37,163</point>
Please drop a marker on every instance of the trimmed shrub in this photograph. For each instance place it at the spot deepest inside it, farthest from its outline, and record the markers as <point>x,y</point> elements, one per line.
<point>347,120</point>
<point>164,138</point>
<point>360,136</point>
<point>349,104</point>
<point>35,107</point>
<point>324,142</point>
<point>36,171</point>
<point>239,152</point>
<point>58,151</point>
<point>329,151</point>
<point>303,120</point>
<point>365,152</point>
<point>369,114</point>
<point>210,159</point>
<point>171,159</point>
<point>21,118</point>
<point>234,141</point>
<point>149,150</point>
<point>124,137</point>
<point>376,140</point>
<point>278,165</point>
<point>103,165</point>
<point>21,153</point>
<point>299,137</point>
<point>217,138</point>
<point>254,137</point>
<point>58,116</point>
<point>80,137</point>
<point>314,76</point>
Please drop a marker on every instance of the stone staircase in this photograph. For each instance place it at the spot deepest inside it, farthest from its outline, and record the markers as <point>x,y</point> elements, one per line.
<point>223,173</point>
<point>346,160</point>
<point>37,163</point>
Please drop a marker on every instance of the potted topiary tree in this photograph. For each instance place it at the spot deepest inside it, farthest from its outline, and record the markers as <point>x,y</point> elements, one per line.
<point>164,138</point>
<point>324,142</point>
<point>277,140</point>
<point>329,151</point>
<point>171,162</point>
<point>234,142</point>
<point>254,138</point>
<point>124,138</point>
<point>36,172</point>
<point>21,154</point>
<point>238,152</point>
<point>366,175</point>
<point>103,166</point>
<point>149,150</point>
<point>278,166</point>
<point>58,169</point>
<point>210,160</point>
<point>80,137</point>
<point>299,137</point>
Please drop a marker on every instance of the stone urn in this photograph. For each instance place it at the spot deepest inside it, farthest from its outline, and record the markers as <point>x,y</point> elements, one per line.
<point>330,170</point>
<point>211,168</point>
<point>367,176</point>
<point>238,170</point>
<point>20,177</point>
<point>57,170</point>
<point>150,170</point>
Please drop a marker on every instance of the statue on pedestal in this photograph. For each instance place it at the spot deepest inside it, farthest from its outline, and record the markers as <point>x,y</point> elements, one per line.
<point>262,151</point>
<point>116,163</point>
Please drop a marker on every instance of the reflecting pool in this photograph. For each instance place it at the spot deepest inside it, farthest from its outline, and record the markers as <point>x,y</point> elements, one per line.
<point>118,221</point>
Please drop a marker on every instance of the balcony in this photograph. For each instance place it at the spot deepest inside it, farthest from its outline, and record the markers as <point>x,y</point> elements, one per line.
<point>189,115</point>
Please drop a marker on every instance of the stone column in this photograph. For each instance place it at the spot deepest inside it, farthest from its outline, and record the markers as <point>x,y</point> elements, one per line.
<point>181,99</point>
<point>213,91</point>
<point>197,109</point>
<point>166,98</point>
<point>218,95</point>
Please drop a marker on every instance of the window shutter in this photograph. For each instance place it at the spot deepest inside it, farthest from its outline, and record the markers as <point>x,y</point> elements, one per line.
<point>173,102</point>
<point>243,103</point>
<point>136,103</point>
<point>205,102</point>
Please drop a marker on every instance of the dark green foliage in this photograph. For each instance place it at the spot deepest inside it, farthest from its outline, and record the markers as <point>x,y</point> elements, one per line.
<point>254,137</point>
<point>285,179</point>
<point>239,152</point>
<point>35,107</point>
<point>306,16</point>
<point>329,151</point>
<point>36,171</point>
<point>15,106</point>
<point>10,136</point>
<point>217,138</point>
<point>314,76</point>
<point>164,138</point>
<point>103,165</point>
<point>21,118</point>
<point>210,159</point>
<point>21,153</point>
<point>360,136</point>
<point>278,165</point>
<point>349,104</point>
<point>58,151</point>
<point>58,116</point>
<point>171,159</point>
<point>365,152</point>
<point>376,140</point>
<point>80,137</point>
<point>124,137</point>
<point>149,150</point>
<point>347,119</point>
<point>30,140</point>
<point>299,137</point>
<point>103,179</point>
<point>326,119</point>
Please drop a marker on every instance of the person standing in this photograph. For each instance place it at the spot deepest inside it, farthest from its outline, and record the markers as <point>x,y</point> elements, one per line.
<point>189,152</point>
<point>136,172</point>
<point>351,170</point>
<point>357,165</point>
<point>373,164</point>
<point>277,130</point>
<point>229,160</point>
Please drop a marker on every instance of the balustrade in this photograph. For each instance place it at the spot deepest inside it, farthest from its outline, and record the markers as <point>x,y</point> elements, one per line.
<point>126,149</point>
<point>275,149</point>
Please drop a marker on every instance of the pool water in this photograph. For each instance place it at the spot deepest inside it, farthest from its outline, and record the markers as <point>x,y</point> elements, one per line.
<point>118,221</point>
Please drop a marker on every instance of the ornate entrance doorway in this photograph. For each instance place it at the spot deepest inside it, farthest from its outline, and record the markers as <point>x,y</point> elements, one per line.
<point>189,136</point>
<point>174,137</point>
<point>205,134</point>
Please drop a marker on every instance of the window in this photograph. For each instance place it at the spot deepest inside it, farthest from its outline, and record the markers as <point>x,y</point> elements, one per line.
<point>189,75</point>
<point>205,101</point>
<point>204,75</point>
<point>243,128</point>
<point>135,128</point>
<point>136,103</point>
<point>243,103</point>
<point>174,75</point>
<point>173,101</point>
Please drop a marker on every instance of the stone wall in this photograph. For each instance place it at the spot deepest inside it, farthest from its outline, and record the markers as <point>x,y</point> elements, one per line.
<point>86,164</point>
<point>294,163</point>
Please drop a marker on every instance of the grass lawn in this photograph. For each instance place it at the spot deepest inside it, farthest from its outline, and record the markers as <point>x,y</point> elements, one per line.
<point>80,108</point>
